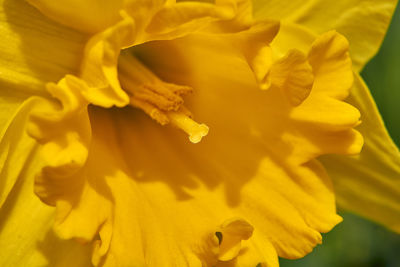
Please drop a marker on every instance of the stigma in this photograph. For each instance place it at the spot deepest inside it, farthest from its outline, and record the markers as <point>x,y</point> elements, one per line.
<point>161,101</point>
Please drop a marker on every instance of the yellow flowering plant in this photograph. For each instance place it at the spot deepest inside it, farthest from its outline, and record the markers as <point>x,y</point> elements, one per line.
<point>188,133</point>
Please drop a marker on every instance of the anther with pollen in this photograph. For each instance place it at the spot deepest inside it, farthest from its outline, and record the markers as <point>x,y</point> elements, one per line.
<point>161,101</point>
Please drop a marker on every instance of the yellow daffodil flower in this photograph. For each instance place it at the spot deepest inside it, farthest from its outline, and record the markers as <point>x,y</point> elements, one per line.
<point>187,133</point>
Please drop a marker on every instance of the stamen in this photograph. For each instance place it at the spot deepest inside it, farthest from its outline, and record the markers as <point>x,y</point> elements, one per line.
<point>162,101</point>
<point>195,131</point>
<point>147,93</point>
<point>150,110</point>
<point>178,89</point>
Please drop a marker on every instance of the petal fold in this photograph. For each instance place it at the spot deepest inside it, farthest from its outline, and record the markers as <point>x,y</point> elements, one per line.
<point>352,18</point>
<point>26,236</point>
<point>15,148</point>
<point>99,65</point>
<point>64,132</point>
<point>186,13</point>
<point>34,50</point>
<point>232,233</point>
<point>88,16</point>
<point>294,75</point>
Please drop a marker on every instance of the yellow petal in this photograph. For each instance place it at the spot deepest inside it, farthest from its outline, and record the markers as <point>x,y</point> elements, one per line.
<point>9,102</point>
<point>178,19</point>
<point>134,203</point>
<point>133,219</point>
<point>352,18</point>
<point>254,254</point>
<point>15,148</point>
<point>294,75</point>
<point>254,43</point>
<point>187,14</point>
<point>64,131</point>
<point>369,184</point>
<point>34,50</point>
<point>229,90</point>
<point>26,237</point>
<point>87,16</point>
<point>99,64</point>
<point>348,179</point>
<point>232,233</point>
<point>331,66</point>
<point>147,196</point>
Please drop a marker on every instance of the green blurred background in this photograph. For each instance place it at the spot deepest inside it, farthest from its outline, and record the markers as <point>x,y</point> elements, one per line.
<point>358,242</point>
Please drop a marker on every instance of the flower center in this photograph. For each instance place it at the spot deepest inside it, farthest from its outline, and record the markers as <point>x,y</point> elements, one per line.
<point>162,101</point>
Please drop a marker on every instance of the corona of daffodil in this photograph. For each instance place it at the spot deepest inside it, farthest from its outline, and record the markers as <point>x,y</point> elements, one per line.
<point>187,133</point>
